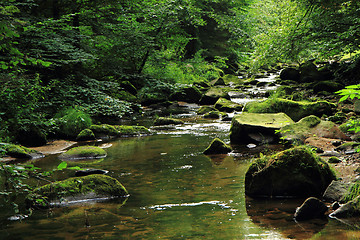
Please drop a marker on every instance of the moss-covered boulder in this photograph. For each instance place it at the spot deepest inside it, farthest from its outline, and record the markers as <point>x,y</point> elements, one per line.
<point>212,95</point>
<point>294,109</point>
<point>225,105</point>
<point>217,146</point>
<point>18,151</point>
<point>72,190</point>
<point>218,82</point>
<point>296,172</point>
<point>189,94</point>
<point>205,109</point>
<point>86,135</point>
<point>106,130</point>
<point>311,126</point>
<point>309,72</point>
<point>83,152</point>
<point>328,86</point>
<point>214,114</point>
<point>167,121</point>
<point>258,127</point>
<point>290,74</point>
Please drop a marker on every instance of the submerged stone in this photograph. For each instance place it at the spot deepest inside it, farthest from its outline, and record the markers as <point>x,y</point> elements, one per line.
<point>72,190</point>
<point>296,172</point>
<point>83,152</point>
<point>217,146</point>
<point>310,209</point>
<point>259,127</point>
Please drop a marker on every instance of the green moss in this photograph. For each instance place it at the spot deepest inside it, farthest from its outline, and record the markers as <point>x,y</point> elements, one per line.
<point>353,192</point>
<point>217,146</point>
<point>84,152</point>
<point>225,105</point>
<point>334,159</point>
<point>101,185</point>
<point>205,109</point>
<point>294,109</point>
<point>85,135</point>
<point>118,130</point>
<point>167,121</point>
<point>17,151</point>
<point>214,114</point>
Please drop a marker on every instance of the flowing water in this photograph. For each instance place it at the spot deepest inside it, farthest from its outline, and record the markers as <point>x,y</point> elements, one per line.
<point>176,192</point>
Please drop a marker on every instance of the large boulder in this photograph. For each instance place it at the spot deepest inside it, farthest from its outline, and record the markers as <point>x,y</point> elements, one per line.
<point>77,189</point>
<point>310,209</point>
<point>258,127</point>
<point>226,105</point>
<point>309,72</point>
<point>217,147</point>
<point>212,95</point>
<point>290,74</point>
<point>310,126</point>
<point>294,109</point>
<point>296,172</point>
<point>336,191</point>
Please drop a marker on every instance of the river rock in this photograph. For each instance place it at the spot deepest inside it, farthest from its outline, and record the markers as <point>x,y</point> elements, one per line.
<point>258,127</point>
<point>86,135</point>
<point>212,95</point>
<point>218,82</point>
<point>225,105</point>
<point>83,152</point>
<point>18,151</point>
<point>294,109</point>
<point>106,130</point>
<point>328,86</point>
<point>296,172</point>
<point>76,189</point>
<point>290,74</point>
<point>217,147</point>
<point>190,94</point>
<point>167,121</point>
<point>86,172</point>
<point>350,209</point>
<point>309,72</point>
<point>310,209</point>
<point>336,191</point>
<point>311,126</point>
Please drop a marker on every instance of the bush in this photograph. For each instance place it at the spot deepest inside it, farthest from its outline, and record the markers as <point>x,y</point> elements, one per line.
<point>72,121</point>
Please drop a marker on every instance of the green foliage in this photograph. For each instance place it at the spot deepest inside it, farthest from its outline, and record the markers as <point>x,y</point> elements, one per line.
<point>72,121</point>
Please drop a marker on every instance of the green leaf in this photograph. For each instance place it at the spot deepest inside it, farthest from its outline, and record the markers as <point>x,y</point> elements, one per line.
<point>62,166</point>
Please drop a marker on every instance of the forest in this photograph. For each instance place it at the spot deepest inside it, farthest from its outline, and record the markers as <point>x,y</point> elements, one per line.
<point>69,66</point>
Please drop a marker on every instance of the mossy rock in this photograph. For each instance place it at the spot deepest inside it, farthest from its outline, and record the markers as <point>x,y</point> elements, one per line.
<point>212,95</point>
<point>349,210</point>
<point>217,146</point>
<point>225,105</point>
<point>334,159</point>
<point>17,151</point>
<point>205,109</point>
<point>214,114</point>
<point>190,94</point>
<point>218,82</point>
<point>296,172</point>
<point>83,152</point>
<point>311,126</point>
<point>86,135</point>
<point>167,121</point>
<point>106,130</point>
<point>327,86</point>
<point>290,74</point>
<point>294,109</point>
<point>89,187</point>
<point>259,127</point>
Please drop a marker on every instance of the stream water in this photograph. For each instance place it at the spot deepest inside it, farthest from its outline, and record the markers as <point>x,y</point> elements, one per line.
<point>176,192</point>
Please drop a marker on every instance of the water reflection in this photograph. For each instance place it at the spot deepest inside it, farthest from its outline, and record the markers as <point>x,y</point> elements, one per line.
<point>278,214</point>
